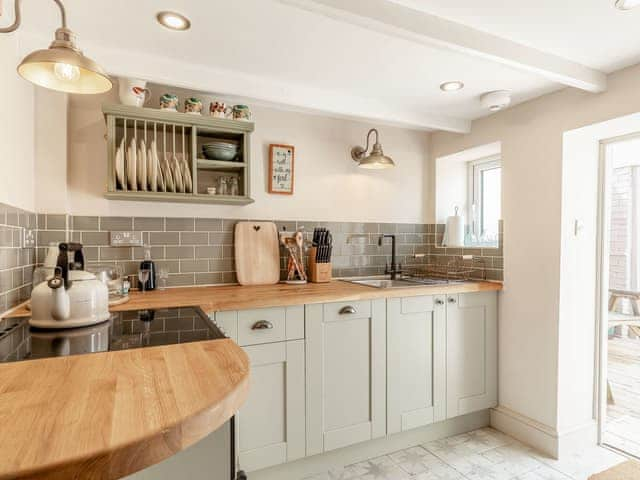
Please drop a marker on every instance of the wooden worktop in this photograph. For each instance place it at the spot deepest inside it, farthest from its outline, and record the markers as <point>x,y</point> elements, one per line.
<point>107,415</point>
<point>237,297</point>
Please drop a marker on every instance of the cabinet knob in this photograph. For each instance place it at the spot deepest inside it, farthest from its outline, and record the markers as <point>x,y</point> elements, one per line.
<point>452,300</point>
<point>439,301</point>
<point>347,310</point>
<point>262,325</point>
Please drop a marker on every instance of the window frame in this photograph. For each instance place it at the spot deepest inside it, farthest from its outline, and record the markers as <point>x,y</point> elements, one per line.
<point>475,171</point>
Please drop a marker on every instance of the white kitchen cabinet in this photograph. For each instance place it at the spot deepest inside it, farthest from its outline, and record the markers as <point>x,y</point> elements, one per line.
<point>416,362</point>
<point>472,352</point>
<point>346,379</point>
<point>271,424</point>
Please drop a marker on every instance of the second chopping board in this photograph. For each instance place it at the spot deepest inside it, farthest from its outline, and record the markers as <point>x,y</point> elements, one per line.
<point>257,253</point>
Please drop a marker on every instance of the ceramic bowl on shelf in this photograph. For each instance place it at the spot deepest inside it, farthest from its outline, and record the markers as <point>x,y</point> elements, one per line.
<point>220,151</point>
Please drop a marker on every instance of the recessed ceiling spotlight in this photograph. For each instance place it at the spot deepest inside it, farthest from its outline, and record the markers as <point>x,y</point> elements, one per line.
<point>627,4</point>
<point>173,21</point>
<point>497,100</point>
<point>451,86</point>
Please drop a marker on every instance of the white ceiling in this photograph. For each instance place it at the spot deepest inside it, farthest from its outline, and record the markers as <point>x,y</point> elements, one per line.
<point>590,32</point>
<point>274,52</point>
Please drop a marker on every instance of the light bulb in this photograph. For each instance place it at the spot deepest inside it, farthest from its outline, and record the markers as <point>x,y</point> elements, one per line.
<point>66,72</point>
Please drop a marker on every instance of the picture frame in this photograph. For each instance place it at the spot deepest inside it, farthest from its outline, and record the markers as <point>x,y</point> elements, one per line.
<point>281,169</point>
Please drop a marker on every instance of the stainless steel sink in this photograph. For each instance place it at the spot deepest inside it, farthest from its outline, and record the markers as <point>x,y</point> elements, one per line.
<point>399,283</point>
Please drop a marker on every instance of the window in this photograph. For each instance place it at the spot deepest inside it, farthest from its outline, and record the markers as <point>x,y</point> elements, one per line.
<point>485,193</point>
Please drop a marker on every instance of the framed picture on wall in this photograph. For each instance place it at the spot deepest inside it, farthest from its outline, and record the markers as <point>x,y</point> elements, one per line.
<point>281,158</point>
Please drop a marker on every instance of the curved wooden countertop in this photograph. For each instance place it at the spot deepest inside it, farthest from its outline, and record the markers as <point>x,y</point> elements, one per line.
<point>237,297</point>
<point>107,415</point>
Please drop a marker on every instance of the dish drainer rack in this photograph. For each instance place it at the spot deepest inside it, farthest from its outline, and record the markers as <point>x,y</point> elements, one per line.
<point>182,135</point>
<point>454,270</point>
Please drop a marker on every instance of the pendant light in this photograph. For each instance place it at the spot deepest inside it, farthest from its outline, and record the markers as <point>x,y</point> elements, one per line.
<point>62,66</point>
<point>376,160</point>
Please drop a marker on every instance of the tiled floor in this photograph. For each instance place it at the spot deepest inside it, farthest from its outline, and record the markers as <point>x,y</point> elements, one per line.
<point>484,454</point>
<point>622,429</point>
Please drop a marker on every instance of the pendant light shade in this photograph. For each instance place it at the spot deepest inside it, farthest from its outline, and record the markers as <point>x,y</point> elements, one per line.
<point>376,160</point>
<point>62,66</point>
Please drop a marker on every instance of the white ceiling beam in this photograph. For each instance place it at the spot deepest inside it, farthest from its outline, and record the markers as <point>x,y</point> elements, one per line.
<point>256,90</point>
<point>396,20</point>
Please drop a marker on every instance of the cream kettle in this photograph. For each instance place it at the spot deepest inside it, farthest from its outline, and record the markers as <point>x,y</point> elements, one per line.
<point>72,297</point>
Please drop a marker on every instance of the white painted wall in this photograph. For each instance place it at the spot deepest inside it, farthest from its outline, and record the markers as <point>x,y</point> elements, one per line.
<point>17,129</point>
<point>328,184</point>
<point>536,327</point>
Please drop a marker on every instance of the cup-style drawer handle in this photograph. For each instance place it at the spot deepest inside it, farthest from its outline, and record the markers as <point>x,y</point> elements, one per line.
<point>347,310</point>
<point>262,325</point>
<point>452,300</point>
<point>439,301</point>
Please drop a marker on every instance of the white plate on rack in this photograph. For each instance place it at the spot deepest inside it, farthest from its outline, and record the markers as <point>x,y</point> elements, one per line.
<point>142,164</point>
<point>188,183</point>
<point>120,165</point>
<point>161,185</point>
<point>132,160</point>
<point>152,173</point>
<point>168,175</point>
<point>177,174</point>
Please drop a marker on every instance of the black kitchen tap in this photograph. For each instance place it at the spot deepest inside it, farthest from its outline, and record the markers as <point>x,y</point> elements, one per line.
<point>395,269</point>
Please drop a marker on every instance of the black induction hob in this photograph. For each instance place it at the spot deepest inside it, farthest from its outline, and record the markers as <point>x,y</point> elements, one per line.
<point>123,331</point>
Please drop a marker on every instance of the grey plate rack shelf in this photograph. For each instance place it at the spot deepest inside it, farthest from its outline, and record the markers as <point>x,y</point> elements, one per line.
<point>181,135</point>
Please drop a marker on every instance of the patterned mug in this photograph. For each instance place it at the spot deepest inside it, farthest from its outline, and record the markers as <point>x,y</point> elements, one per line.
<point>241,112</point>
<point>193,105</point>
<point>133,91</point>
<point>169,101</point>
<point>219,110</point>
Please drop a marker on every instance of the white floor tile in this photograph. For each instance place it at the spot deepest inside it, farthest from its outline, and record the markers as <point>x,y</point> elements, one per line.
<point>415,460</point>
<point>381,468</point>
<point>484,454</point>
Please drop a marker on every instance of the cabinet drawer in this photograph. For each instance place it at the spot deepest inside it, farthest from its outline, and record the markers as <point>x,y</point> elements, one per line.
<point>264,325</point>
<point>347,310</point>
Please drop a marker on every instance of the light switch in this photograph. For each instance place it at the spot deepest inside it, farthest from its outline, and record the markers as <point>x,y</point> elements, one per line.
<point>125,239</point>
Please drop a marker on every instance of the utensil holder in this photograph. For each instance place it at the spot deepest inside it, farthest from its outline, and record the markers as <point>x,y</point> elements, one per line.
<point>318,272</point>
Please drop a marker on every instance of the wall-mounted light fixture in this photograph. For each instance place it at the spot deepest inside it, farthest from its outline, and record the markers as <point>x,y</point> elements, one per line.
<point>376,159</point>
<point>62,66</point>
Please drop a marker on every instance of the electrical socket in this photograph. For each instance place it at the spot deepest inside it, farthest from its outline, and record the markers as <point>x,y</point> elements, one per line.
<point>28,234</point>
<point>125,239</point>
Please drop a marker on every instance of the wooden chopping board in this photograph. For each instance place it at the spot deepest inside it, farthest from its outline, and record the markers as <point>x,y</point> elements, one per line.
<point>257,253</point>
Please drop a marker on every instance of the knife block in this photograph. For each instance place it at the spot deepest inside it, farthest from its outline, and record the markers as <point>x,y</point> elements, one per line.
<point>318,272</point>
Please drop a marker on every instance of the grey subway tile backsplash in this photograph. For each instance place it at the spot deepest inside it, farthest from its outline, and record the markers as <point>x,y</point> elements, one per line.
<point>199,251</point>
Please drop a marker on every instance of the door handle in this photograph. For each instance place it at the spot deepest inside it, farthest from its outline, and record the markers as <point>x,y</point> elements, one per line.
<point>262,325</point>
<point>347,310</point>
<point>439,301</point>
<point>452,300</point>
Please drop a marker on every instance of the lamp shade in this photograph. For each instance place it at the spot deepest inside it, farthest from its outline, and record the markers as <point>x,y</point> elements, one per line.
<point>64,68</point>
<point>377,160</point>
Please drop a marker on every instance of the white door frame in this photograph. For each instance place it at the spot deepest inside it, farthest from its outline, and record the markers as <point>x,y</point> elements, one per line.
<point>602,281</point>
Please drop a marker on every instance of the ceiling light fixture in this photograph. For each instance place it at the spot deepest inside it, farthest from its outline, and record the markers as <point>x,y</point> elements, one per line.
<point>627,4</point>
<point>376,160</point>
<point>173,21</point>
<point>451,86</point>
<point>497,100</point>
<point>62,66</point>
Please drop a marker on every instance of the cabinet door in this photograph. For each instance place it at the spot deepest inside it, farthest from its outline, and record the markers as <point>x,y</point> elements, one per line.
<point>346,396</point>
<point>416,358</point>
<point>271,424</point>
<point>472,352</point>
